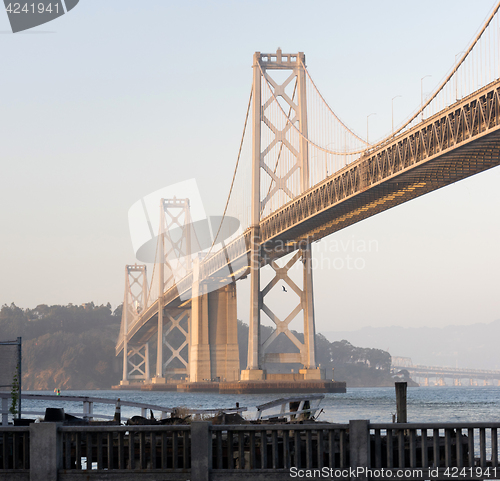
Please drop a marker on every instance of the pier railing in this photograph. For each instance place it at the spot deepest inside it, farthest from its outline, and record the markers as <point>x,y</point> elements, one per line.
<point>204,452</point>
<point>278,447</point>
<point>87,402</point>
<point>14,450</point>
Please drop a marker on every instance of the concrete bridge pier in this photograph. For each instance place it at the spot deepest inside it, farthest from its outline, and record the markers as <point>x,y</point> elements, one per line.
<point>213,333</point>
<point>199,348</point>
<point>199,343</point>
<point>223,334</point>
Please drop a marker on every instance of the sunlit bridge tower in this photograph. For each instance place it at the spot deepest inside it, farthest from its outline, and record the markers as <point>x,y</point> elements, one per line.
<point>196,334</point>
<point>280,170</point>
<point>135,356</point>
<point>173,263</point>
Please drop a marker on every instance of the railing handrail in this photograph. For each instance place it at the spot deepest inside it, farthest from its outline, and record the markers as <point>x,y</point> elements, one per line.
<point>77,414</point>
<point>278,427</point>
<point>121,428</point>
<point>96,400</point>
<point>453,425</point>
<point>15,429</point>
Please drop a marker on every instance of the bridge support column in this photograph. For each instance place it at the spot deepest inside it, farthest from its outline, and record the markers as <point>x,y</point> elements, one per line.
<point>223,332</point>
<point>199,348</point>
<point>137,364</point>
<point>307,352</point>
<point>199,344</point>
<point>159,379</point>
<point>310,370</point>
<point>125,381</point>
<point>213,348</point>
<point>135,359</point>
<point>176,341</point>
<point>253,372</point>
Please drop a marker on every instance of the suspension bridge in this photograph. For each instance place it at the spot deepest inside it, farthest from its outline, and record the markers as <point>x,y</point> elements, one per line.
<point>301,174</point>
<point>437,375</point>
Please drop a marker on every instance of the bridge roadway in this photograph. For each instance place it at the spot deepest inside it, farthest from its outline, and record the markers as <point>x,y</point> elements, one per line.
<point>460,141</point>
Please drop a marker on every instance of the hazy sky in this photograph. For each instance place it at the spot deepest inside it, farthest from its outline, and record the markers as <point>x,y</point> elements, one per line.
<point>119,98</point>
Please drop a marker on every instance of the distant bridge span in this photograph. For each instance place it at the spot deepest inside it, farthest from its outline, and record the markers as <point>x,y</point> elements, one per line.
<point>441,373</point>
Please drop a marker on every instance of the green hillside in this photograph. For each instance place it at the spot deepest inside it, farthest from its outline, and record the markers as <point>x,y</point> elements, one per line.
<point>69,347</point>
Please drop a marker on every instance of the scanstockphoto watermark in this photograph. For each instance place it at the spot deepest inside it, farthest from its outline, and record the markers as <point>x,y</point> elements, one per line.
<point>340,246</point>
<point>401,473</point>
<point>27,14</point>
<point>363,473</point>
<point>344,254</point>
<point>332,254</point>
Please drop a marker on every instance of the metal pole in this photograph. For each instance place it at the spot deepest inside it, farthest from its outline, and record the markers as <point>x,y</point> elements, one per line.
<point>367,117</point>
<point>422,93</point>
<point>392,111</point>
<point>456,76</point>
<point>20,373</point>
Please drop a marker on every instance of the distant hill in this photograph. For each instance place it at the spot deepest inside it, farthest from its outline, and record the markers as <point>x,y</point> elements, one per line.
<point>69,347</point>
<point>474,346</point>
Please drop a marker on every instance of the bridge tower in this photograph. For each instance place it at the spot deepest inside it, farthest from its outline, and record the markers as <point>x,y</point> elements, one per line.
<point>173,262</point>
<point>199,333</point>
<point>135,357</point>
<point>277,135</point>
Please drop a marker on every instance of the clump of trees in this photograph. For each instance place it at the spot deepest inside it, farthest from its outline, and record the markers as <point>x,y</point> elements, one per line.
<point>69,347</point>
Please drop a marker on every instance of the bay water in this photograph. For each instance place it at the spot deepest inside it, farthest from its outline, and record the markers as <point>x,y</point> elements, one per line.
<point>425,404</point>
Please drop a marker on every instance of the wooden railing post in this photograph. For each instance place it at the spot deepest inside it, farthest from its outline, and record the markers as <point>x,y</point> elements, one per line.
<point>359,447</point>
<point>88,410</point>
<point>201,450</point>
<point>401,402</point>
<point>45,451</point>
